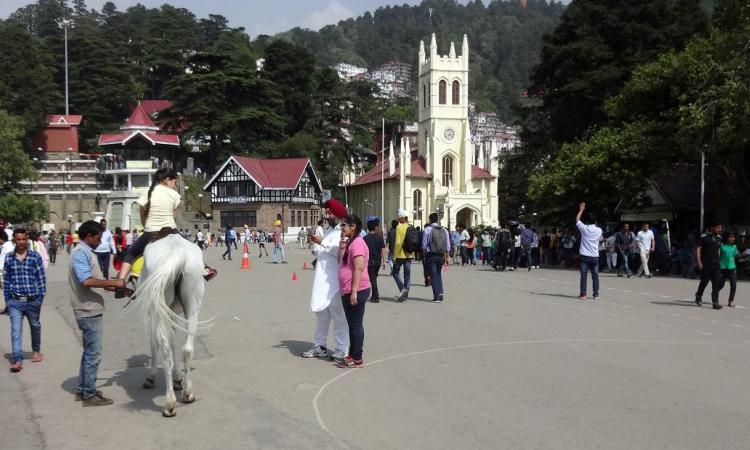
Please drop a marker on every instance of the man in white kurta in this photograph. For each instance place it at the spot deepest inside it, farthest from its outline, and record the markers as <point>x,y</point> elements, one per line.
<point>325,300</point>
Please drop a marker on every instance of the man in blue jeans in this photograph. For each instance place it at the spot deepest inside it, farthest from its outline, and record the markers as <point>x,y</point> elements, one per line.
<point>88,307</point>
<point>437,249</point>
<point>590,235</point>
<point>401,257</point>
<point>24,287</point>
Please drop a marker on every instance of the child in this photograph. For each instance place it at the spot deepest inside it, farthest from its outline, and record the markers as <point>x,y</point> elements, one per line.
<point>729,267</point>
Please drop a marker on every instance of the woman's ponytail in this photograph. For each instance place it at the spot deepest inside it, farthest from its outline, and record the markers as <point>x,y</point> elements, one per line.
<point>162,174</point>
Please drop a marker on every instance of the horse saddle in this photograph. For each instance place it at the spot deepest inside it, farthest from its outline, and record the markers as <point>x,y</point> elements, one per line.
<point>164,232</point>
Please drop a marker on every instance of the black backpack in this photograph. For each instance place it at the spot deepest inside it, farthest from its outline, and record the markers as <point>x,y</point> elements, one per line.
<point>438,240</point>
<point>411,240</point>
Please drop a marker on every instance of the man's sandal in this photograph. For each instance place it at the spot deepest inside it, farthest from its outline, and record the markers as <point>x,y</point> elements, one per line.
<point>37,357</point>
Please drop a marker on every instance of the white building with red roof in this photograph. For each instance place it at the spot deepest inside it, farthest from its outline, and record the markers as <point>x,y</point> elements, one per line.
<point>437,170</point>
<point>251,191</point>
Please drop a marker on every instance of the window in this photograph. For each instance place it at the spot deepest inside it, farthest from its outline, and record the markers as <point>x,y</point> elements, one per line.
<point>304,216</point>
<point>299,218</point>
<point>447,170</point>
<point>417,199</point>
<point>294,224</point>
<point>239,218</point>
<point>424,96</point>
<point>443,87</point>
<point>456,92</point>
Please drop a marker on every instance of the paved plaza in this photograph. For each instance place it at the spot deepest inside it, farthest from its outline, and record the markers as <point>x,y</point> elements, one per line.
<point>508,361</point>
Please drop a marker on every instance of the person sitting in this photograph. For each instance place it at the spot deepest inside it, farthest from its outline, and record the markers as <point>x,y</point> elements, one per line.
<point>158,207</point>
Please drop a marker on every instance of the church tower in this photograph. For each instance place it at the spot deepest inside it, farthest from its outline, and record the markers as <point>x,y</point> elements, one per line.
<point>443,116</point>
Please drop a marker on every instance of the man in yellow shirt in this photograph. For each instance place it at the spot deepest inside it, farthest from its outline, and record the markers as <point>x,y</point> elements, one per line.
<point>401,257</point>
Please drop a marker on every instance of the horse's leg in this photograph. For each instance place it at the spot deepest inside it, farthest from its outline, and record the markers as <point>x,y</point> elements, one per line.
<point>191,304</point>
<point>177,372</point>
<point>170,404</point>
<point>150,380</point>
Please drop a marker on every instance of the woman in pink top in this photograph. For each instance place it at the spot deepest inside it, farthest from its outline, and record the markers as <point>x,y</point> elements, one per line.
<point>354,285</point>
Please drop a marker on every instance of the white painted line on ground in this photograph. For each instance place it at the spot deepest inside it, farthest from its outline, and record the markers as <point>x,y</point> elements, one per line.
<point>322,389</point>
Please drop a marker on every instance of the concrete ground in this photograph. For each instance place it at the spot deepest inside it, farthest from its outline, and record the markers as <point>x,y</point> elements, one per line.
<point>508,361</point>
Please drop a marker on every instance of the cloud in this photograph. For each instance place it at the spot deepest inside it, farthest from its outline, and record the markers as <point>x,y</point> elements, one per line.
<point>332,13</point>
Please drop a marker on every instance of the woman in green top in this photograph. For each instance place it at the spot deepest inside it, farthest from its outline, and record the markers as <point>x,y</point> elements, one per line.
<point>728,266</point>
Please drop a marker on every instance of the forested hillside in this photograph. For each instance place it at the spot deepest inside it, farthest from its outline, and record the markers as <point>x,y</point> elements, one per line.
<point>505,41</point>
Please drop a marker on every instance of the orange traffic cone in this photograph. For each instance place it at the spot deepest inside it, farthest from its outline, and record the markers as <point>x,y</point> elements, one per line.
<point>294,276</point>
<point>245,248</point>
<point>304,265</point>
<point>245,259</point>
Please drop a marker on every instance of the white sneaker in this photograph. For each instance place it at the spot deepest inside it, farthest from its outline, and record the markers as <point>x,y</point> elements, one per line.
<point>339,355</point>
<point>316,352</point>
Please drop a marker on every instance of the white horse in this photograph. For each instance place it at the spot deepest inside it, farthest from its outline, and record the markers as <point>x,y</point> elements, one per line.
<point>169,295</point>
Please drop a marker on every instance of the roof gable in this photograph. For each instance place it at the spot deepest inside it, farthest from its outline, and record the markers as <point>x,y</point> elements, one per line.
<point>284,173</point>
<point>139,120</point>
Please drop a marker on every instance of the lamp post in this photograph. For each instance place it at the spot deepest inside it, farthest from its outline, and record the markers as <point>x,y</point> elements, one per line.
<point>703,184</point>
<point>200,203</point>
<point>187,200</point>
<point>382,171</point>
<point>64,24</point>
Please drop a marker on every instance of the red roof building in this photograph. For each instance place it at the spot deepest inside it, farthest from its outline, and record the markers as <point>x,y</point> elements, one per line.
<point>59,135</point>
<point>139,131</point>
<point>251,191</point>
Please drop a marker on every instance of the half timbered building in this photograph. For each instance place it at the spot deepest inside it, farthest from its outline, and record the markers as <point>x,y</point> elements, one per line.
<point>250,191</point>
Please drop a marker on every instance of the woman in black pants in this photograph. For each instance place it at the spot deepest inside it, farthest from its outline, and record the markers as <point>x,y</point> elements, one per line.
<point>376,246</point>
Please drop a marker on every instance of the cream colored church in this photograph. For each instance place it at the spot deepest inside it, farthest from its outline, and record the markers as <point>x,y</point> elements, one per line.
<point>445,173</point>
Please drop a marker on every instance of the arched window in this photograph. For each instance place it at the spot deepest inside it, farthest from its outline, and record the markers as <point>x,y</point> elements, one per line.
<point>417,200</point>
<point>441,92</point>
<point>456,92</point>
<point>447,170</point>
<point>424,96</point>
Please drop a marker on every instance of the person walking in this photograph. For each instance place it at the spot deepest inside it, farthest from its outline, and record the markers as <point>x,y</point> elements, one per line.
<point>262,239</point>
<point>534,255</point>
<point>728,266</point>
<point>455,245</point>
<point>390,242</point>
<point>24,288</point>
<point>708,262</point>
<point>376,248</point>
<point>105,249</point>
<point>486,247</point>
<point>354,285</point>
<point>624,241</point>
<point>402,257</point>
<point>611,249</point>
<point>233,237</point>
<point>278,244</point>
<point>54,244</point>
<point>503,243</point>
<point>228,242</point>
<point>200,239</point>
<point>88,306</point>
<point>589,251</point>
<point>646,244</point>
<point>436,245</point>
<point>527,237</point>
<point>326,288</point>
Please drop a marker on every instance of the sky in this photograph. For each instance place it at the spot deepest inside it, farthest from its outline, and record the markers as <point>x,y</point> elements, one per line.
<point>257,16</point>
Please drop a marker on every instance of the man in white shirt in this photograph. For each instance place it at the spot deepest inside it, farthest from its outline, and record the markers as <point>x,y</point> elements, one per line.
<point>105,249</point>
<point>200,240</point>
<point>646,244</point>
<point>589,251</point>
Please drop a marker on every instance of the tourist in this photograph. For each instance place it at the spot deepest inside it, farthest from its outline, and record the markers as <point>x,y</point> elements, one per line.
<point>354,285</point>
<point>402,257</point>
<point>262,239</point>
<point>503,244</point>
<point>6,247</point>
<point>568,244</point>
<point>24,287</point>
<point>326,288</point>
<point>4,229</point>
<point>728,266</point>
<point>302,238</point>
<point>646,244</point>
<point>455,245</point>
<point>436,246</point>
<point>486,247</point>
<point>611,249</point>
<point>228,241</point>
<point>233,238</point>
<point>68,242</point>
<point>589,252</point>
<point>708,262</point>
<point>390,241</point>
<point>200,240</point>
<point>625,242</point>
<point>376,248</point>
<point>463,240</point>
<point>278,244</point>
<point>471,245</point>
<point>526,238</point>
<point>54,245</point>
<point>534,255</point>
<point>37,244</point>
<point>88,306</point>
<point>105,249</point>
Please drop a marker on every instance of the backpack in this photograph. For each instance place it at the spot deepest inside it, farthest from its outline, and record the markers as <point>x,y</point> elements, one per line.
<point>438,240</point>
<point>411,240</point>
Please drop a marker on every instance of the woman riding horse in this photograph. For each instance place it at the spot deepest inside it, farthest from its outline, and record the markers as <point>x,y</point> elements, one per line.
<point>158,208</point>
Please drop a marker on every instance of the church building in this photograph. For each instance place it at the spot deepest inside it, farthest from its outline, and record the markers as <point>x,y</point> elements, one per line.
<point>444,173</point>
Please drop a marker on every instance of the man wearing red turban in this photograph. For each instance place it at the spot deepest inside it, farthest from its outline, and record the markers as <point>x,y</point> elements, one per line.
<point>326,288</point>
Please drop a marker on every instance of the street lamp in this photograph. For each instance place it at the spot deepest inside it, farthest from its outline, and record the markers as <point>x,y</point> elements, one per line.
<point>187,200</point>
<point>200,203</point>
<point>65,24</point>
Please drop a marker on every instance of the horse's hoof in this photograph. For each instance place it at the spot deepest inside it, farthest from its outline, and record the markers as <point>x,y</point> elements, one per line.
<point>169,411</point>
<point>189,398</point>
<point>177,385</point>
<point>149,383</point>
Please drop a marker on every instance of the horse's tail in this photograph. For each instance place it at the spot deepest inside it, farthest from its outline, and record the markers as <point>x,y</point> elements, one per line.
<point>152,299</point>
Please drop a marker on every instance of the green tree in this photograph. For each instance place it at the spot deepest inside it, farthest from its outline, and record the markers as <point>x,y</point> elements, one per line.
<point>15,166</point>
<point>27,87</point>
